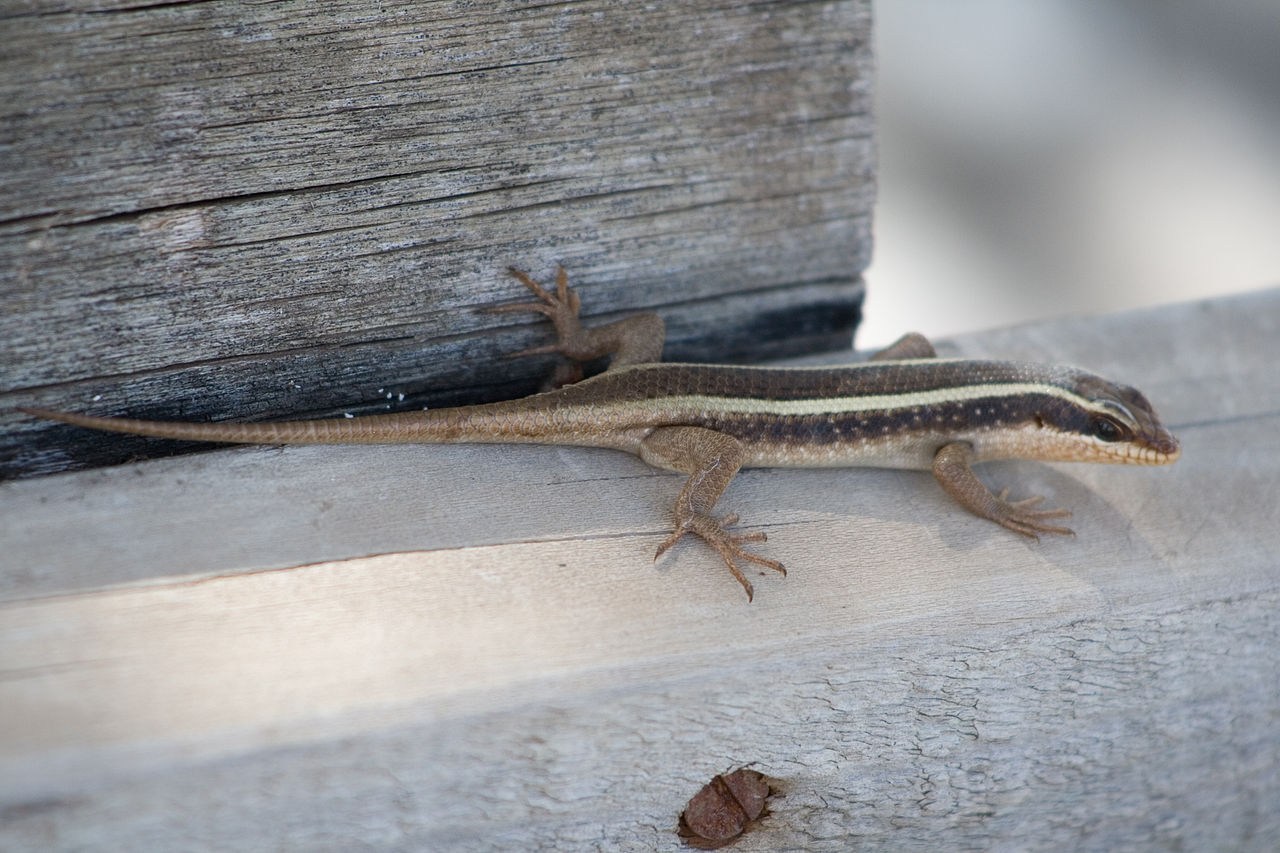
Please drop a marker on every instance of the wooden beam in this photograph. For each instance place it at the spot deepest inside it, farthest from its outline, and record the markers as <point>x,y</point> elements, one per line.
<point>455,648</point>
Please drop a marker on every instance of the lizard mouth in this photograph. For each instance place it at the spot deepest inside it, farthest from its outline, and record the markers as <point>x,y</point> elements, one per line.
<point>1158,449</point>
<point>1163,448</point>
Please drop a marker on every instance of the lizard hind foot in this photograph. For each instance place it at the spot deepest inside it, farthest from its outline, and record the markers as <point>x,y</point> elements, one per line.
<point>634,339</point>
<point>729,545</point>
<point>560,307</point>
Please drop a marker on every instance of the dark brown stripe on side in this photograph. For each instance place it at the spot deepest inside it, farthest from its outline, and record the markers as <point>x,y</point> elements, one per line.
<point>949,417</point>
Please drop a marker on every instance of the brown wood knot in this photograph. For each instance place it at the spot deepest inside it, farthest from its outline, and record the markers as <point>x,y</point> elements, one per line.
<point>724,809</point>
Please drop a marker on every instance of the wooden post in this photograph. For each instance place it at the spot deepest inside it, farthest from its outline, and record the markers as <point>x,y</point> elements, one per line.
<point>250,211</point>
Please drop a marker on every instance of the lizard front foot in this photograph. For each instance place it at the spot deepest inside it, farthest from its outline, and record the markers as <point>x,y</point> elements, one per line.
<point>1018,517</point>
<point>951,468</point>
<point>728,544</point>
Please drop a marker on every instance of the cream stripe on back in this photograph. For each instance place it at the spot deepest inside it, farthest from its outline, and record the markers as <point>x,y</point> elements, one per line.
<point>859,403</point>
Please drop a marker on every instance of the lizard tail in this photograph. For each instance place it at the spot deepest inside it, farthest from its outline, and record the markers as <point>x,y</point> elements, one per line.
<point>397,428</point>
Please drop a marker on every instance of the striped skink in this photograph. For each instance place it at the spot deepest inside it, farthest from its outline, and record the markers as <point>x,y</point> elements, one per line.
<point>905,408</point>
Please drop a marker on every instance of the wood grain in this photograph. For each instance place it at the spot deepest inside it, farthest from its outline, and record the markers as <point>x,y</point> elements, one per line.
<point>461,649</point>
<point>218,210</point>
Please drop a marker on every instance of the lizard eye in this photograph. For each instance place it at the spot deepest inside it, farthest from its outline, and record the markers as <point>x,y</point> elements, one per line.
<point>1106,429</point>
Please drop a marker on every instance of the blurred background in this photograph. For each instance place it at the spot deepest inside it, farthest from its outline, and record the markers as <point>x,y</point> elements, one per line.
<point>1071,157</point>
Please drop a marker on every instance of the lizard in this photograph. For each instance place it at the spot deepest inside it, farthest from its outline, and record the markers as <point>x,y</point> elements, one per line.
<point>903,408</point>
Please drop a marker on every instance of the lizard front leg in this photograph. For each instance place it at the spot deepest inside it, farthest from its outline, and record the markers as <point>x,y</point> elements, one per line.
<point>711,459</point>
<point>952,471</point>
<point>637,339</point>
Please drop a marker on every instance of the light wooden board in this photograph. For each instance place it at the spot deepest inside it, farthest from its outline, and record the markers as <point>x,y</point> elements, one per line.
<point>453,648</point>
<point>253,210</point>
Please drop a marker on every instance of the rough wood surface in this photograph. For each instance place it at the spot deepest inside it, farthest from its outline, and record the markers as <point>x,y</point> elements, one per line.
<point>179,671</point>
<point>230,210</point>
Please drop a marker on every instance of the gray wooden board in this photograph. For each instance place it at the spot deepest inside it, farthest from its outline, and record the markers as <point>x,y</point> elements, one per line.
<point>219,210</point>
<point>181,671</point>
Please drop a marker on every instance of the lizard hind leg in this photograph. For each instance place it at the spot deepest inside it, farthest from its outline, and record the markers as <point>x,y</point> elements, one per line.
<point>910,345</point>
<point>637,339</point>
<point>711,459</point>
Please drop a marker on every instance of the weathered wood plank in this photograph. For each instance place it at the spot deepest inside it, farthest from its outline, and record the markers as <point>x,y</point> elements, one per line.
<point>227,210</point>
<point>518,675</point>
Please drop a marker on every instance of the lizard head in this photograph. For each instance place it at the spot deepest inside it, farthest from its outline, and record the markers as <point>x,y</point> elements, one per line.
<point>1108,422</point>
